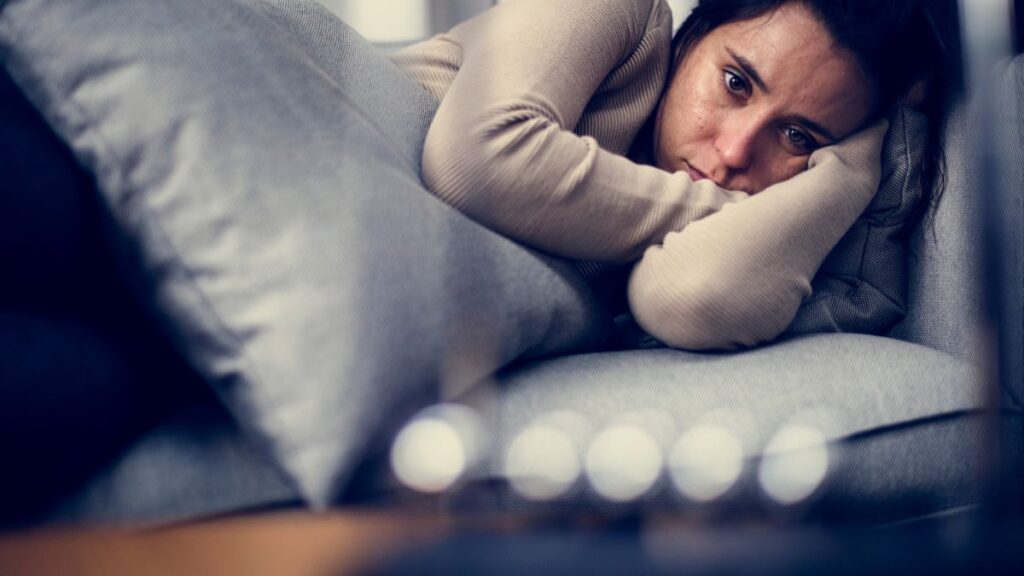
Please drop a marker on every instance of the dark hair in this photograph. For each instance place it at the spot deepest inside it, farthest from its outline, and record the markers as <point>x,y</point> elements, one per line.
<point>899,44</point>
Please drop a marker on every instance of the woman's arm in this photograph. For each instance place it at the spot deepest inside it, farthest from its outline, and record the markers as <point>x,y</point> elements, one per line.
<point>737,277</point>
<point>501,147</point>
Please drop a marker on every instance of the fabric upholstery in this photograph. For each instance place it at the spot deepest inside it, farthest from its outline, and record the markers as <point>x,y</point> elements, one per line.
<point>1010,210</point>
<point>856,388</point>
<point>862,284</point>
<point>263,188</point>
<point>945,303</point>
<point>869,380</point>
<point>946,300</point>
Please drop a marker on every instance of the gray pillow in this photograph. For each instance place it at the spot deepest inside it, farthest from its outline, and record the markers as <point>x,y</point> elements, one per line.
<point>862,284</point>
<point>259,164</point>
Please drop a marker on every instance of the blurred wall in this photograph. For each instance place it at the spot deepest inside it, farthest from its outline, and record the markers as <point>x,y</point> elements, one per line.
<point>398,22</point>
<point>395,23</point>
<point>680,9</point>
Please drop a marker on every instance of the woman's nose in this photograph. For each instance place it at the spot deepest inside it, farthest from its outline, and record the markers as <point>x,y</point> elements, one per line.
<point>736,141</point>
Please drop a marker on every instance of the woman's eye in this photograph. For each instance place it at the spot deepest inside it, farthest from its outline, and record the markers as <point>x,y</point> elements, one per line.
<point>735,83</point>
<point>799,139</point>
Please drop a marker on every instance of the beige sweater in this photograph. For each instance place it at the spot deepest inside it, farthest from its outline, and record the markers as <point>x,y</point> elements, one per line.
<point>541,101</point>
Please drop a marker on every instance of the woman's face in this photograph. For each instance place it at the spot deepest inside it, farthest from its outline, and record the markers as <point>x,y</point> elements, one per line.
<point>752,99</point>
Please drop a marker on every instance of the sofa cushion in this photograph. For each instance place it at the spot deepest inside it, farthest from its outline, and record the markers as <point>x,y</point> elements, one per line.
<point>867,381</point>
<point>876,402</point>
<point>259,164</point>
<point>904,425</point>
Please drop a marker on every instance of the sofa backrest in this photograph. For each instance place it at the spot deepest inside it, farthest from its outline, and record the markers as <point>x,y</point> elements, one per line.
<point>1012,255</point>
<point>946,290</point>
<point>944,298</point>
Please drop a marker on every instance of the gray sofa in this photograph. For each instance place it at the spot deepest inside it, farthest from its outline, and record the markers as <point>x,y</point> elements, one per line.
<point>903,413</point>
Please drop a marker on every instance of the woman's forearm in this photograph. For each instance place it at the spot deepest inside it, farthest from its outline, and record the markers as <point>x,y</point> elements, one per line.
<point>562,193</point>
<point>737,277</point>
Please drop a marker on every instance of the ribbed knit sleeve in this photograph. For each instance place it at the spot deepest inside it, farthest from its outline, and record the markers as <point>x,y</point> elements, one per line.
<point>736,278</point>
<point>502,147</point>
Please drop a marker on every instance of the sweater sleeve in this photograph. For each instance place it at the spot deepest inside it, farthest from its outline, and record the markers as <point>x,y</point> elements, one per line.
<point>501,148</point>
<point>737,278</point>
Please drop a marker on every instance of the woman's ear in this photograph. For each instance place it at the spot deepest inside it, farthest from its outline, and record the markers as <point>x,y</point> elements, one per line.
<point>915,95</point>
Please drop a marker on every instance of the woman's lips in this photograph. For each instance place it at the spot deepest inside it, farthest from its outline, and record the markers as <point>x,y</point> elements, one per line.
<point>695,174</point>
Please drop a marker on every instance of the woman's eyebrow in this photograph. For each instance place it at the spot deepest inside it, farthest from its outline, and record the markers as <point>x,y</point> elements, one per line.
<point>815,127</point>
<point>749,69</point>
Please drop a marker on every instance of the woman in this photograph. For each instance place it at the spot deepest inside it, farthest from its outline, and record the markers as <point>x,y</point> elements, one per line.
<point>726,162</point>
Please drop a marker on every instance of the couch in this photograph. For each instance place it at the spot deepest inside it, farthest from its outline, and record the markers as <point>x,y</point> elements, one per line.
<point>110,420</point>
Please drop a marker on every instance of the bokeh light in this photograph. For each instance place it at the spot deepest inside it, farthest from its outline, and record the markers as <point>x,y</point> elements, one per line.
<point>437,447</point>
<point>706,461</point>
<point>542,462</point>
<point>794,463</point>
<point>623,461</point>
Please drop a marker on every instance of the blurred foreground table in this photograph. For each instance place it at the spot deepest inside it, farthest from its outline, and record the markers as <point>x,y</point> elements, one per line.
<point>391,543</point>
<point>278,544</point>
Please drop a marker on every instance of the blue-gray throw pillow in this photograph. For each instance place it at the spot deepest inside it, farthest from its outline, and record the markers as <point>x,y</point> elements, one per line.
<point>259,165</point>
<point>862,284</point>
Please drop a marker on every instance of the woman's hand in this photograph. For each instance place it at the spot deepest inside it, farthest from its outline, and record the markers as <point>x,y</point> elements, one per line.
<point>857,160</point>
<point>737,277</point>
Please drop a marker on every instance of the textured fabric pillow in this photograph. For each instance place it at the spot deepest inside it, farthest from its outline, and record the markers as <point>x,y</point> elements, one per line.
<point>259,162</point>
<point>862,284</point>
